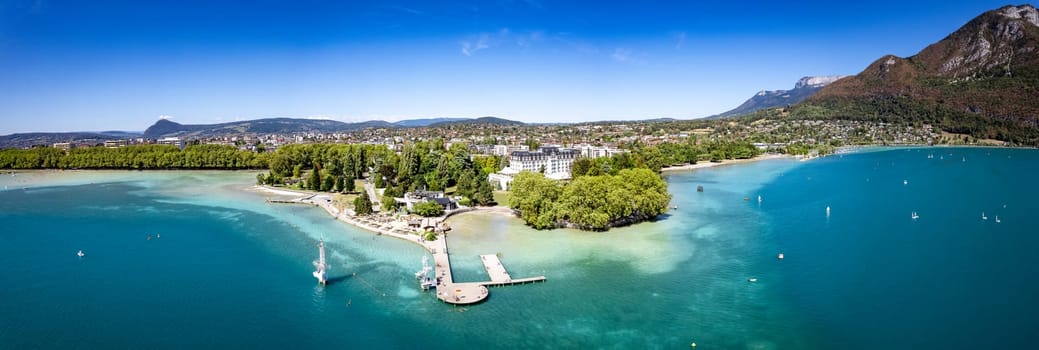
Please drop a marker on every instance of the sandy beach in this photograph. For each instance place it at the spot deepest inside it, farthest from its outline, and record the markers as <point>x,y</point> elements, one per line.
<point>390,228</point>
<point>701,165</point>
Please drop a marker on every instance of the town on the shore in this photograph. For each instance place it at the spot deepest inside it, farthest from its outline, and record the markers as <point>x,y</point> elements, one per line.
<point>427,170</point>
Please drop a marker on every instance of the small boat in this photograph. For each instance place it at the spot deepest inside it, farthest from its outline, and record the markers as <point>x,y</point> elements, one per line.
<point>915,216</point>
<point>752,280</point>
<point>80,254</point>
<point>997,219</point>
<point>827,211</point>
<point>759,199</point>
<point>905,182</point>
<point>780,256</point>
<point>983,217</point>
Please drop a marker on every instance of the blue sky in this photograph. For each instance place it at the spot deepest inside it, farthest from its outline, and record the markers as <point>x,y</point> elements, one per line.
<point>120,65</point>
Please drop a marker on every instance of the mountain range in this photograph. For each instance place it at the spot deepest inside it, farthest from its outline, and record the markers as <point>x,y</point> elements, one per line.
<point>167,128</point>
<point>982,80</point>
<point>804,88</point>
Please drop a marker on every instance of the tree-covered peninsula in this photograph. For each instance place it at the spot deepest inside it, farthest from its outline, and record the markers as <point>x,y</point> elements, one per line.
<point>591,202</point>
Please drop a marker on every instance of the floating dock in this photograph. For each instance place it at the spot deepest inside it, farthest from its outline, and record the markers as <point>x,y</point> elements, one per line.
<point>463,293</point>
<point>469,292</point>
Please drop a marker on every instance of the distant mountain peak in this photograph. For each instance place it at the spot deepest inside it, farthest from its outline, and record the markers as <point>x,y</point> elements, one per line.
<point>1026,12</point>
<point>817,81</point>
<point>804,88</point>
<point>980,79</point>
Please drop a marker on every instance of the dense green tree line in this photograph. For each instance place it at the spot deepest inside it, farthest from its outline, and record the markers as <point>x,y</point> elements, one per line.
<point>134,157</point>
<point>424,165</point>
<point>593,202</point>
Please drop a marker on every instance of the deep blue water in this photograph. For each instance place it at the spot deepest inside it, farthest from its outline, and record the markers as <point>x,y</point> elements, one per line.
<point>870,276</point>
<point>229,271</point>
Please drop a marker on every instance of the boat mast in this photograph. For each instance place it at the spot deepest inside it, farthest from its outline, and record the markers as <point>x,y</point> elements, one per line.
<point>320,265</point>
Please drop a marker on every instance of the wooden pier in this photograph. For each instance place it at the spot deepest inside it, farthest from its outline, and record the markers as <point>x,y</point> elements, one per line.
<point>448,291</point>
<point>469,292</point>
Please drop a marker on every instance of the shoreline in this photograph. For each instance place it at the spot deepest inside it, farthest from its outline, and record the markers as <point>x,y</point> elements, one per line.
<point>709,164</point>
<point>324,201</point>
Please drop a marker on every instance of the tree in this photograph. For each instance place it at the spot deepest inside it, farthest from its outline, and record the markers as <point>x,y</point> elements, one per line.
<point>580,167</point>
<point>328,183</point>
<point>338,186</point>
<point>482,193</point>
<point>363,204</point>
<point>314,180</point>
<point>533,194</point>
<point>261,179</point>
<point>428,209</point>
<point>532,144</point>
<point>389,201</point>
<point>348,183</point>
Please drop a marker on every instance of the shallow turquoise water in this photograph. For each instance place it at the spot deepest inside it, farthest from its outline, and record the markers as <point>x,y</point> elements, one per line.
<point>231,271</point>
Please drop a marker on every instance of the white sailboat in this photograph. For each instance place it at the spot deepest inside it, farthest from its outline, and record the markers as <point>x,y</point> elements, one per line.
<point>80,254</point>
<point>983,217</point>
<point>422,275</point>
<point>915,216</point>
<point>997,219</point>
<point>320,265</point>
<point>827,211</point>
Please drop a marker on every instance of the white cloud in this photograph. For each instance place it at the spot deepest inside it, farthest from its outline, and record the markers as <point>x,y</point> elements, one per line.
<point>621,55</point>
<point>502,37</point>
<point>625,55</point>
<point>679,40</point>
<point>470,47</point>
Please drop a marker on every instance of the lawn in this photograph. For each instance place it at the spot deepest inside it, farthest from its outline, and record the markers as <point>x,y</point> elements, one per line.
<point>501,197</point>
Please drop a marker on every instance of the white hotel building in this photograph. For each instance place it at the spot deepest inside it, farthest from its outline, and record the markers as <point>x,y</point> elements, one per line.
<point>555,161</point>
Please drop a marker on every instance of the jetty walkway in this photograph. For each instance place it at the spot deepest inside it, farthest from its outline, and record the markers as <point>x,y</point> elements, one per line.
<point>448,291</point>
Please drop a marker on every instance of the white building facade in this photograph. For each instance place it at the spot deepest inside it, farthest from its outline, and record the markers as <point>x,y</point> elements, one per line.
<point>554,161</point>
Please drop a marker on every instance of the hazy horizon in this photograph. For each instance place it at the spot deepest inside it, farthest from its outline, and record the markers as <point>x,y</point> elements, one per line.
<point>118,65</point>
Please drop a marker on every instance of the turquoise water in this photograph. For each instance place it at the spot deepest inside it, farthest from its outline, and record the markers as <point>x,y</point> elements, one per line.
<point>232,271</point>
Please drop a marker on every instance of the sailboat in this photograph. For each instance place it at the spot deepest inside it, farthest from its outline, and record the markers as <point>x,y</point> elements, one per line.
<point>320,265</point>
<point>997,219</point>
<point>422,275</point>
<point>915,216</point>
<point>983,217</point>
<point>80,254</point>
